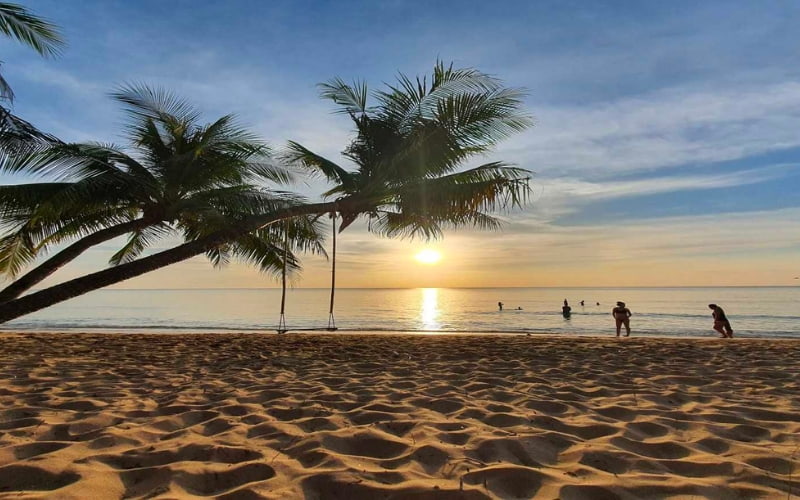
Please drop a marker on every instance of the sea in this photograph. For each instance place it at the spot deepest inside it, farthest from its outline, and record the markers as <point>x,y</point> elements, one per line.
<point>770,312</point>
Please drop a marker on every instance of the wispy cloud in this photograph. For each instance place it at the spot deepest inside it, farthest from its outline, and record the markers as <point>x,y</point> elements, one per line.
<point>668,128</point>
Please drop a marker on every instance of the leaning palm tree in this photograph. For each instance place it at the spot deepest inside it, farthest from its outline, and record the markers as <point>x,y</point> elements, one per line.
<point>410,152</point>
<point>176,176</point>
<point>17,22</point>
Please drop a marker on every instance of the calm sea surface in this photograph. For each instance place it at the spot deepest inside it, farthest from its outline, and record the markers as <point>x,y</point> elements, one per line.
<point>754,312</point>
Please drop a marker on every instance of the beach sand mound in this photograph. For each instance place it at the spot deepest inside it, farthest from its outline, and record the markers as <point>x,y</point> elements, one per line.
<point>251,416</point>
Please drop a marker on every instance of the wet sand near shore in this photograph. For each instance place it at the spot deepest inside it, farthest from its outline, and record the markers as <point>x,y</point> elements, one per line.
<point>349,416</point>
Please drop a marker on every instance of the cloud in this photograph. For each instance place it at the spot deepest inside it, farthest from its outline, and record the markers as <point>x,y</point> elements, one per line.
<point>673,127</point>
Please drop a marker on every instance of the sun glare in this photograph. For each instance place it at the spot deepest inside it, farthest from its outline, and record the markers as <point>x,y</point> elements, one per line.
<point>428,256</point>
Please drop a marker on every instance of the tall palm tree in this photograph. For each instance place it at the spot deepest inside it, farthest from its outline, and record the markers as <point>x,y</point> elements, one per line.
<point>178,175</point>
<point>17,22</point>
<point>409,151</point>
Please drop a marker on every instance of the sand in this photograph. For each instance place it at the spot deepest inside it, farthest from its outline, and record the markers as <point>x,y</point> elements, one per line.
<point>347,416</point>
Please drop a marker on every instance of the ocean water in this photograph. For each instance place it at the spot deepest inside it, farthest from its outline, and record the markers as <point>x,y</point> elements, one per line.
<point>754,312</point>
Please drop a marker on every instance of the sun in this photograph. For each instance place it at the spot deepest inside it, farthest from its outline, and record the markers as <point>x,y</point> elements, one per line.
<point>428,256</point>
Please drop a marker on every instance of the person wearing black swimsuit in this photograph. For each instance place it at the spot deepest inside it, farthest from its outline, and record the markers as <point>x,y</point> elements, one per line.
<point>622,316</point>
<point>721,323</point>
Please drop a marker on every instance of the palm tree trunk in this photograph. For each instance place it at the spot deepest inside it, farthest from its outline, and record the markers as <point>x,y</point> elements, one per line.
<point>79,286</point>
<point>54,263</point>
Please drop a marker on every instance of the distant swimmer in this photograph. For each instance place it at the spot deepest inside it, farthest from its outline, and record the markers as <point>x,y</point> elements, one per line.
<point>721,323</point>
<point>500,305</point>
<point>598,303</point>
<point>581,303</point>
<point>566,310</point>
<point>622,316</point>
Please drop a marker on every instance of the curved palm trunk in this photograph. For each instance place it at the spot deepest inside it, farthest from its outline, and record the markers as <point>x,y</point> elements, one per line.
<point>79,286</point>
<point>54,263</point>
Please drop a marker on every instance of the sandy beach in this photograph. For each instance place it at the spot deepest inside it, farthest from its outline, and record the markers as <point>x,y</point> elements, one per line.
<point>248,416</point>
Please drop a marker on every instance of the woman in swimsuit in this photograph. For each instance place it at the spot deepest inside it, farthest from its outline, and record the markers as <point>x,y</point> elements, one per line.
<point>622,316</point>
<point>721,323</point>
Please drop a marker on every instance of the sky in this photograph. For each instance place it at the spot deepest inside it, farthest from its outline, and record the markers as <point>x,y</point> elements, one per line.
<point>665,149</point>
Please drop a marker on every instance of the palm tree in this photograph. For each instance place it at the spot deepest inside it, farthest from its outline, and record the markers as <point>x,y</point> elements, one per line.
<point>408,152</point>
<point>409,147</point>
<point>179,175</point>
<point>17,22</point>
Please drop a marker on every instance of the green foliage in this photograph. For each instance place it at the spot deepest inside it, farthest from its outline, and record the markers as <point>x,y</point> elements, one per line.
<point>18,23</point>
<point>410,149</point>
<point>180,177</point>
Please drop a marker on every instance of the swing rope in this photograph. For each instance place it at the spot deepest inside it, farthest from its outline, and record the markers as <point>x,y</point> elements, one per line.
<point>331,319</point>
<point>282,320</point>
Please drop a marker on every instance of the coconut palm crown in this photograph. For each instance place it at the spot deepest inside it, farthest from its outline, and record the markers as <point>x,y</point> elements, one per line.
<point>177,175</point>
<point>410,145</point>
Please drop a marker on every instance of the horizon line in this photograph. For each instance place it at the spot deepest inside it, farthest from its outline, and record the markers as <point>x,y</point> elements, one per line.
<point>445,287</point>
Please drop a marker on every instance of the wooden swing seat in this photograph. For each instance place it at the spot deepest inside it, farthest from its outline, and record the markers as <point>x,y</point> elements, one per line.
<point>318,329</point>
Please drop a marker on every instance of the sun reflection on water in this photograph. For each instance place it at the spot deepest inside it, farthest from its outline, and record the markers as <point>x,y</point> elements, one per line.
<point>429,309</point>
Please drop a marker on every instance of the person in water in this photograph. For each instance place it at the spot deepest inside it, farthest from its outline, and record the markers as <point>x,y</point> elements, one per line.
<point>566,310</point>
<point>500,305</point>
<point>721,323</point>
<point>622,316</point>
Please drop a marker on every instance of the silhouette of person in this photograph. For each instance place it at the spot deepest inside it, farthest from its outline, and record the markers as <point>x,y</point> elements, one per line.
<point>721,323</point>
<point>598,303</point>
<point>622,316</point>
<point>500,305</point>
<point>581,303</point>
<point>566,310</point>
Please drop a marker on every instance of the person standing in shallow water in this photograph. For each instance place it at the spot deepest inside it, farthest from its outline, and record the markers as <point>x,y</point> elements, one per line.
<point>566,310</point>
<point>622,316</point>
<point>721,323</point>
<point>500,306</point>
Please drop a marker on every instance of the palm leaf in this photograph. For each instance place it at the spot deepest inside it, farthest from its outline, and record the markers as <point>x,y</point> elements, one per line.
<point>16,252</point>
<point>297,154</point>
<point>351,98</point>
<point>40,35</point>
<point>143,101</point>
<point>137,242</point>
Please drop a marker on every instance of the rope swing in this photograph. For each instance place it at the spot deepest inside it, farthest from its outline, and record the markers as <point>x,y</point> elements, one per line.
<point>331,319</point>
<point>282,320</point>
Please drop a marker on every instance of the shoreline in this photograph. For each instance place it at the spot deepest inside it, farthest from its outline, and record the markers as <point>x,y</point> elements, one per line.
<point>373,332</point>
<point>348,415</point>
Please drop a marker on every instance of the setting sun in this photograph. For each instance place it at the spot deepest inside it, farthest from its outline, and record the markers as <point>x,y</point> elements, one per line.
<point>428,257</point>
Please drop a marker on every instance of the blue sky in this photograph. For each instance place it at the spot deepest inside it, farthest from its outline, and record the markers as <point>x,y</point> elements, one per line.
<point>666,145</point>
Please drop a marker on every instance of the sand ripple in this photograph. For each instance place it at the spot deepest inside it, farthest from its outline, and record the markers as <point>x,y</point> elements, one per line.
<point>244,417</point>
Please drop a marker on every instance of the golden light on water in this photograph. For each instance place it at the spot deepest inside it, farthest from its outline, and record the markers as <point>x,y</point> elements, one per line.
<point>429,310</point>
<point>428,256</point>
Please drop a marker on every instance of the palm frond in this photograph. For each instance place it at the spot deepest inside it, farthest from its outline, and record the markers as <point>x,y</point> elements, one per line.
<point>6,93</point>
<point>143,101</point>
<point>137,242</point>
<point>67,161</point>
<point>351,98</point>
<point>297,154</point>
<point>219,256</point>
<point>16,252</point>
<point>40,35</point>
<point>19,137</point>
<point>490,187</point>
<point>26,198</point>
